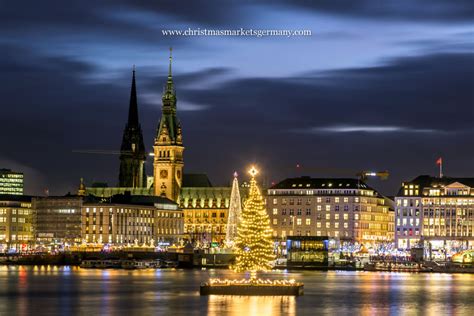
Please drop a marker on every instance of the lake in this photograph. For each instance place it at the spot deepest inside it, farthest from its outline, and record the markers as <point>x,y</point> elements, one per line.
<point>71,290</point>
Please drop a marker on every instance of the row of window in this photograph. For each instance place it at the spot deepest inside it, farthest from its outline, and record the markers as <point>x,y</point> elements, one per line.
<point>327,208</point>
<point>308,233</point>
<point>307,222</point>
<point>426,202</point>
<point>205,214</point>
<point>408,222</point>
<point>16,211</point>
<point>291,201</point>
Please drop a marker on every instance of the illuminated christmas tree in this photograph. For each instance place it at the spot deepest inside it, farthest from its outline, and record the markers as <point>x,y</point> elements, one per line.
<point>254,243</point>
<point>235,210</point>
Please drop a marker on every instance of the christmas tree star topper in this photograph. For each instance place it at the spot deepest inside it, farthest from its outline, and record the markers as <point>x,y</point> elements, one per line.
<point>253,171</point>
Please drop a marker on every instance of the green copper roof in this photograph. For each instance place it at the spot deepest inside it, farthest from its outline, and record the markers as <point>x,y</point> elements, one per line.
<point>169,124</point>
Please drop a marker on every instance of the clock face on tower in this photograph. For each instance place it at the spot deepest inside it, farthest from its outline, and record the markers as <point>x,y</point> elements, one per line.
<point>164,174</point>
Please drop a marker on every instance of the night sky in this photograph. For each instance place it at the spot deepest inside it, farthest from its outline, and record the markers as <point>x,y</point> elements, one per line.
<point>380,85</point>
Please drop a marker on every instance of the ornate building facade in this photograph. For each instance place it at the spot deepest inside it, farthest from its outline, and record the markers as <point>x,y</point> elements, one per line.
<point>132,152</point>
<point>205,207</point>
<point>345,209</point>
<point>206,210</point>
<point>435,211</point>
<point>168,147</point>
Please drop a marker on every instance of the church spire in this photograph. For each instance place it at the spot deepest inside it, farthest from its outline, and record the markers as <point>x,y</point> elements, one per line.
<point>168,147</point>
<point>169,93</point>
<point>171,60</point>
<point>133,108</point>
<point>132,151</point>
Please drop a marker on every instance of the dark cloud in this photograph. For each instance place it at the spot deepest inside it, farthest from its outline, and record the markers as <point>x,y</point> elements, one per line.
<point>406,106</point>
<point>195,78</point>
<point>416,10</point>
<point>396,93</point>
<point>99,15</point>
<point>399,114</point>
<point>50,110</point>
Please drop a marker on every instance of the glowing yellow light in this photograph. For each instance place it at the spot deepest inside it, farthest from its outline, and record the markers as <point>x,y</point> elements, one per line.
<point>253,171</point>
<point>254,243</point>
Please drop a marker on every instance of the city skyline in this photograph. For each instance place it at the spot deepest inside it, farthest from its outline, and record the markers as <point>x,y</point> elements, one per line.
<point>214,157</point>
<point>363,92</point>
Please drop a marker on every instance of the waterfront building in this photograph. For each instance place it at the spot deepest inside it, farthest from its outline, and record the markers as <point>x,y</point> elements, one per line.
<point>436,212</point>
<point>132,151</point>
<point>205,210</point>
<point>127,220</point>
<point>16,222</point>
<point>57,219</point>
<point>342,209</point>
<point>205,207</point>
<point>11,182</point>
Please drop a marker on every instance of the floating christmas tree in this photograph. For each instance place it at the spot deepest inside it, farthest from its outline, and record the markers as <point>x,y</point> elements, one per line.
<point>254,243</point>
<point>235,210</point>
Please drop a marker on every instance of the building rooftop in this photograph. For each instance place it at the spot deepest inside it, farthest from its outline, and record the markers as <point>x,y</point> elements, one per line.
<point>193,180</point>
<point>321,183</point>
<point>424,181</point>
<point>15,198</point>
<point>127,198</point>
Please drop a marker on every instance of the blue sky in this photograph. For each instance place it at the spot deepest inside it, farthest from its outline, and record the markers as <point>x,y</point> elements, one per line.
<point>378,85</point>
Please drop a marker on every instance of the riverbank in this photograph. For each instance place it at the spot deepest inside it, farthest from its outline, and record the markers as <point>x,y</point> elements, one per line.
<point>216,261</point>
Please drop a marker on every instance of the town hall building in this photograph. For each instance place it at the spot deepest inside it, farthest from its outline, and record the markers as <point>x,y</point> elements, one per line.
<point>205,207</point>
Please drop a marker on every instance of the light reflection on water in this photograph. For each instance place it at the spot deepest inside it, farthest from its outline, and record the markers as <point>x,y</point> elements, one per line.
<point>71,290</point>
<point>251,305</point>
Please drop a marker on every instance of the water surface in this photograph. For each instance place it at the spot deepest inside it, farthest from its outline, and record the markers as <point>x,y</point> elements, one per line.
<point>75,291</point>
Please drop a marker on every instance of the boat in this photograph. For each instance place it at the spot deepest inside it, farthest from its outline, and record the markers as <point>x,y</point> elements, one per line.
<point>169,264</point>
<point>138,264</point>
<point>100,264</point>
<point>396,267</point>
<point>88,264</point>
<point>128,264</point>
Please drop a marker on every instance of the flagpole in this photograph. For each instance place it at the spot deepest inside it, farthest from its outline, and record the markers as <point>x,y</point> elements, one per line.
<point>441,168</point>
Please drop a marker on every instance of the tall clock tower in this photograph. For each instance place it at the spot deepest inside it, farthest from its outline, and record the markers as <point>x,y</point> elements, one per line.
<point>168,147</point>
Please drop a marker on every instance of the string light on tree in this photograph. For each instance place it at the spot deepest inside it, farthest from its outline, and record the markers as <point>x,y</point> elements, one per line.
<point>254,244</point>
<point>235,209</point>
